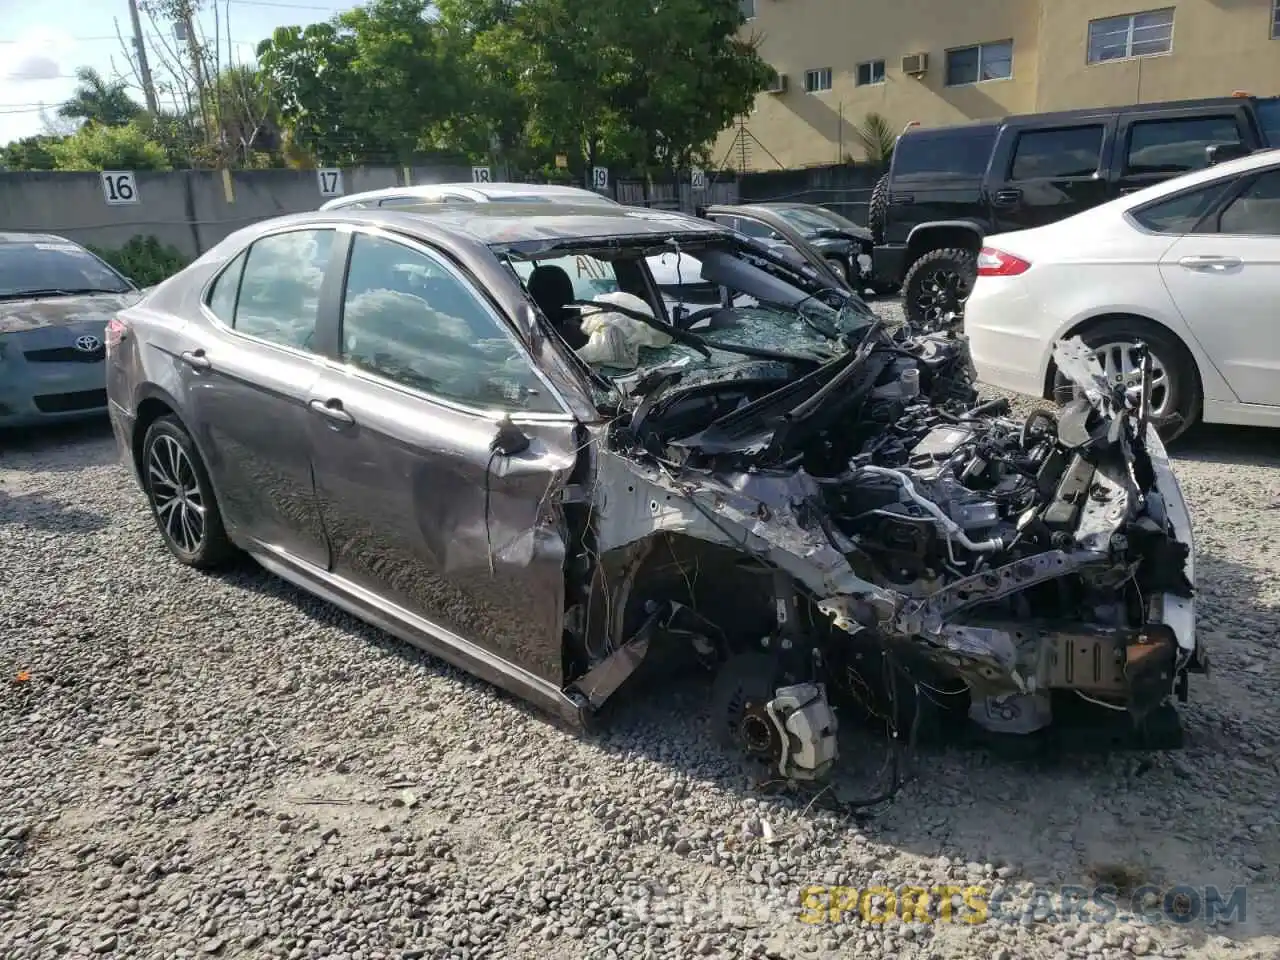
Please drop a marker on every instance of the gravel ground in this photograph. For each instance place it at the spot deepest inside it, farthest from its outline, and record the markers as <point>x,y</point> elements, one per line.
<point>197,765</point>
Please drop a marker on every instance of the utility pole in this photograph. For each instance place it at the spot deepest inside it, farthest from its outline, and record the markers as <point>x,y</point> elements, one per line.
<point>144,68</point>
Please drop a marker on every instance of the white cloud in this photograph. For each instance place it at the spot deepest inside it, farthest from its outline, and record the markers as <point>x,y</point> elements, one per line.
<point>35,66</point>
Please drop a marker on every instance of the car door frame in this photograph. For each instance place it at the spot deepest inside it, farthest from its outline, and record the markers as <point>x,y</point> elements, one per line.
<point>1126,183</point>
<point>409,625</point>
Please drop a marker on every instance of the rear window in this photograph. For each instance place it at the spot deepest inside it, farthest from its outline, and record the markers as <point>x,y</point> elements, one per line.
<point>1180,213</point>
<point>951,153</point>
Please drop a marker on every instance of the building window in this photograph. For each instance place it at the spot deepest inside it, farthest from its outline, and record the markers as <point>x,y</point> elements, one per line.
<point>815,81</point>
<point>873,72</point>
<point>1136,35</point>
<point>748,8</point>
<point>987,61</point>
<point>1275,20</point>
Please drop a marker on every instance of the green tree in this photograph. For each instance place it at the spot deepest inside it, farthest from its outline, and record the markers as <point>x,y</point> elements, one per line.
<point>29,153</point>
<point>877,139</point>
<point>96,147</point>
<point>95,101</point>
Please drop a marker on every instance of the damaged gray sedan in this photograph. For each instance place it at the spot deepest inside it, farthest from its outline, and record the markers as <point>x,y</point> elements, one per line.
<point>485,430</point>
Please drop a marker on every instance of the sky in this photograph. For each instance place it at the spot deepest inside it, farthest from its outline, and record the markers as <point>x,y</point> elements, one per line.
<point>42,42</point>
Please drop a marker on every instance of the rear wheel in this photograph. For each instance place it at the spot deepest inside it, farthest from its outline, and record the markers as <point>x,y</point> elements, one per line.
<point>1176,396</point>
<point>181,497</point>
<point>936,287</point>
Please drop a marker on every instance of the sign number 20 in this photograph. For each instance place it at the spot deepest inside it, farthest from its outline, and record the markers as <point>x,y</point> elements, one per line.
<point>119,186</point>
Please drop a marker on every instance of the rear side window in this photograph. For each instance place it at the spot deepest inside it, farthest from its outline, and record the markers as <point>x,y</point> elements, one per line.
<point>1256,212</point>
<point>222,296</point>
<point>1176,146</point>
<point>955,153</point>
<point>1269,117</point>
<point>1181,213</point>
<point>1068,152</point>
<point>280,288</point>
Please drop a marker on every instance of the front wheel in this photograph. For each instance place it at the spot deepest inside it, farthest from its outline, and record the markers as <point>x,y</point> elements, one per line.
<point>936,287</point>
<point>181,497</point>
<point>1175,389</point>
<point>840,267</point>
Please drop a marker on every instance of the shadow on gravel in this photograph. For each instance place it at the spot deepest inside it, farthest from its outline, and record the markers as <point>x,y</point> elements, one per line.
<point>35,511</point>
<point>1217,443</point>
<point>90,439</point>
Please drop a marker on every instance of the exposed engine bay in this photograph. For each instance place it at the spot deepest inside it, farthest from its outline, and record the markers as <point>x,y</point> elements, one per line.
<point>860,531</point>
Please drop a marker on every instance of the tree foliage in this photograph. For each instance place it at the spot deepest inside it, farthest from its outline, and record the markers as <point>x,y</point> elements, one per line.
<point>877,139</point>
<point>96,147</point>
<point>29,153</point>
<point>96,101</point>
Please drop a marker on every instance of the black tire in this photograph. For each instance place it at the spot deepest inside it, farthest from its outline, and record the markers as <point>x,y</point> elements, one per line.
<point>178,490</point>
<point>878,209</point>
<point>936,286</point>
<point>1177,398</point>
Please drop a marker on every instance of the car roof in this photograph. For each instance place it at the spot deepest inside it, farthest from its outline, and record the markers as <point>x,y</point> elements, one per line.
<point>495,224</point>
<point>21,238</point>
<point>478,192</point>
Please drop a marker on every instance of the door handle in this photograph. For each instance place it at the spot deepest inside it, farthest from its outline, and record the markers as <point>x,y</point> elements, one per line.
<point>332,410</point>
<point>1210,264</point>
<point>1007,198</point>
<point>196,360</point>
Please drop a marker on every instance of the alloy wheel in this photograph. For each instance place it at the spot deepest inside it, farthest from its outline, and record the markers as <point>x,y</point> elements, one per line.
<point>175,494</point>
<point>942,296</point>
<point>1120,362</point>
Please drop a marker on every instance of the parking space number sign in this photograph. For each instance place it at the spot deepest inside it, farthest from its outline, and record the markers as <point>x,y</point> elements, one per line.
<point>600,178</point>
<point>330,179</point>
<point>698,178</point>
<point>119,186</point>
<point>480,175</point>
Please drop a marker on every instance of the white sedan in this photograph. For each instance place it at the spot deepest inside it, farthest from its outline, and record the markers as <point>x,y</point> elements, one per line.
<point>1190,267</point>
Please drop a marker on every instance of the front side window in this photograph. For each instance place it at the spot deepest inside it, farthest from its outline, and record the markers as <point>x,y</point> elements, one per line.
<point>986,61</point>
<point>754,228</point>
<point>816,81</point>
<point>1133,35</point>
<point>1068,152</point>
<point>410,319</point>
<point>1176,146</point>
<point>1256,212</point>
<point>870,73</point>
<point>280,289</point>
<point>1180,214</point>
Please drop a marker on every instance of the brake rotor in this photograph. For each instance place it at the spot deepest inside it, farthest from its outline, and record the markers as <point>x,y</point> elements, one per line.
<point>741,691</point>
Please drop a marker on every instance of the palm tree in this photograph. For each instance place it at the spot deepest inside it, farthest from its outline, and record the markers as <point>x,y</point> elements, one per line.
<point>95,101</point>
<point>877,139</point>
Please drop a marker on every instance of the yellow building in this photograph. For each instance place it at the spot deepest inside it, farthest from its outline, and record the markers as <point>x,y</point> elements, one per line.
<point>937,62</point>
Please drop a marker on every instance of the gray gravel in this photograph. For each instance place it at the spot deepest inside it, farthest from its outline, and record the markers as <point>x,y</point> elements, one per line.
<point>202,766</point>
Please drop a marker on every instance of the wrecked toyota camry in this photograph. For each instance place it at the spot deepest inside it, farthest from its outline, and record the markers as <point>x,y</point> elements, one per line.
<point>488,431</point>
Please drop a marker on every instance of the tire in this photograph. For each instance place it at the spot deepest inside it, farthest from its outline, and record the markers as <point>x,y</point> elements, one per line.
<point>878,209</point>
<point>1176,397</point>
<point>181,497</point>
<point>936,286</point>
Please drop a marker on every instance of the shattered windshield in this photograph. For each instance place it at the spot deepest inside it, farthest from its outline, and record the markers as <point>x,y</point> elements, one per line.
<point>603,305</point>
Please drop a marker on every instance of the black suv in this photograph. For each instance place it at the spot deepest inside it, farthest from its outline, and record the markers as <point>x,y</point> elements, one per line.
<point>949,187</point>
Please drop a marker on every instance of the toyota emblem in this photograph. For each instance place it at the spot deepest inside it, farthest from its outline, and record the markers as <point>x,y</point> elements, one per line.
<point>88,343</point>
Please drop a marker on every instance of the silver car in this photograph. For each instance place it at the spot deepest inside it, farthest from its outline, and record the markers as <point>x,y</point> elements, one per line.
<point>55,301</point>
<point>814,507</point>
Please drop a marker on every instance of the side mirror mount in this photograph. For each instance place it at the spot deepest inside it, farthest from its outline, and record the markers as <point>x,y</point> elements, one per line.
<point>1217,153</point>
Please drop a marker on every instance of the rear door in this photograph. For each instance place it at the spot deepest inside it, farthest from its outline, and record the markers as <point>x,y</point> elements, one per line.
<point>421,509</point>
<point>1041,175</point>
<point>1153,148</point>
<point>1224,277</point>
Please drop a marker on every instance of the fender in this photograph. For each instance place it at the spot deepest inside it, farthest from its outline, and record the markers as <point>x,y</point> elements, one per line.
<point>969,226</point>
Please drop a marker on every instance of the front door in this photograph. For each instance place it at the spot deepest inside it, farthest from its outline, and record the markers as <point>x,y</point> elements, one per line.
<point>1224,279</point>
<point>422,505</point>
<point>248,380</point>
<point>1051,174</point>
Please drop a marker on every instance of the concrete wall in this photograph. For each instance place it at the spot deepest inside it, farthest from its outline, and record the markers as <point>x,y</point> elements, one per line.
<point>190,210</point>
<point>1219,46</point>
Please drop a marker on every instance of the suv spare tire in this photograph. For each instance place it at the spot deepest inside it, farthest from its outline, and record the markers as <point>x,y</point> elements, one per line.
<point>936,287</point>
<point>878,209</point>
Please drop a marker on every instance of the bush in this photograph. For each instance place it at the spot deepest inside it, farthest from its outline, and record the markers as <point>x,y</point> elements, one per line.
<point>144,260</point>
<point>95,147</point>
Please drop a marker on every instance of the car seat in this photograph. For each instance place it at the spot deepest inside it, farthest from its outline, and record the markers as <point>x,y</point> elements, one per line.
<point>552,290</point>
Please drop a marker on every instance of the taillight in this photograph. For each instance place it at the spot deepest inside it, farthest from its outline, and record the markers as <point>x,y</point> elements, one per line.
<point>997,263</point>
<point>116,330</point>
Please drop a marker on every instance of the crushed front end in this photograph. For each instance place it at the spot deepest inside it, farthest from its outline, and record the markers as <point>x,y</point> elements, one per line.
<point>860,534</point>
